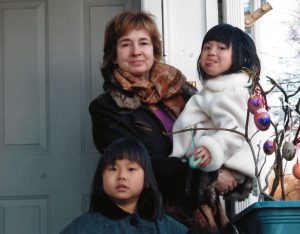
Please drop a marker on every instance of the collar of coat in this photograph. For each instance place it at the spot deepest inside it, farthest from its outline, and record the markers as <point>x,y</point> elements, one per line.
<point>125,101</point>
<point>224,82</point>
<point>112,211</point>
<point>133,102</point>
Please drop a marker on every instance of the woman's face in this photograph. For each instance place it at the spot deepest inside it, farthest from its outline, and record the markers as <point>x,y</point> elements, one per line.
<point>135,53</point>
<point>216,58</point>
<point>123,183</point>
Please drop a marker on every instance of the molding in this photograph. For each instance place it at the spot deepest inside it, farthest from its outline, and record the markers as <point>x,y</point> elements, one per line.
<point>211,13</point>
<point>233,13</point>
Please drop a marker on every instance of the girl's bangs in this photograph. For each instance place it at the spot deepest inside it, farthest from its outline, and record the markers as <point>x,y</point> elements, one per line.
<point>112,155</point>
<point>223,34</point>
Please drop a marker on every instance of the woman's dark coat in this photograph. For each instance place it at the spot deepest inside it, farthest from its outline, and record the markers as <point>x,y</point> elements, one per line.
<point>115,114</point>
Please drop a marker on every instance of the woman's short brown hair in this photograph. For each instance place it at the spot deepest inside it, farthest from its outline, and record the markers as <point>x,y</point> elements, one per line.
<point>120,25</point>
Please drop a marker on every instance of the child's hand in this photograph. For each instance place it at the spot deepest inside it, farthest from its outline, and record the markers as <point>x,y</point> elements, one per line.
<point>202,152</point>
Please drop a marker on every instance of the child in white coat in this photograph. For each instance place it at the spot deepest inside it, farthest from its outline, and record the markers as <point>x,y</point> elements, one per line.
<point>226,53</point>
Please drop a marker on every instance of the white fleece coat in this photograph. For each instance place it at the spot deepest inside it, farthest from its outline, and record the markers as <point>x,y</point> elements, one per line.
<point>222,103</point>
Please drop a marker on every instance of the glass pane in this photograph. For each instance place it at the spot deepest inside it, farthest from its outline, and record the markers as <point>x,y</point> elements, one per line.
<point>280,50</point>
<point>247,5</point>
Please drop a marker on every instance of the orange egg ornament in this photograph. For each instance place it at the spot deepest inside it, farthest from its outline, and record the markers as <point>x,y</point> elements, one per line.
<point>296,170</point>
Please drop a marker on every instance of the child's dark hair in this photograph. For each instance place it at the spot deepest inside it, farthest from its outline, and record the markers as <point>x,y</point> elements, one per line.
<point>150,202</point>
<point>244,53</point>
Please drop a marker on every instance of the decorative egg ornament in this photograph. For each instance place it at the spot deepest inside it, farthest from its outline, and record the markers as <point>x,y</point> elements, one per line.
<point>288,151</point>
<point>262,119</point>
<point>296,170</point>
<point>269,147</point>
<point>255,103</point>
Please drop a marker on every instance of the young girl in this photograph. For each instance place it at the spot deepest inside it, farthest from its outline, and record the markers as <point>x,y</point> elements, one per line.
<point>125,197</point>
<point>226,53</point>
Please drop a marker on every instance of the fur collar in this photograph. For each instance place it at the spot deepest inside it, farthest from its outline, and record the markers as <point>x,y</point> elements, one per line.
<point>124,101</point>
<point>224,82</point>
<point>133,102</point>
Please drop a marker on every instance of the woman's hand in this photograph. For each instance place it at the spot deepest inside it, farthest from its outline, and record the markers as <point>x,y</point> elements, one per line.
<point>225,182</point>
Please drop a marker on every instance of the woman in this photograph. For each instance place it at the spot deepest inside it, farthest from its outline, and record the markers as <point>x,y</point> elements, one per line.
<point>142,99</point>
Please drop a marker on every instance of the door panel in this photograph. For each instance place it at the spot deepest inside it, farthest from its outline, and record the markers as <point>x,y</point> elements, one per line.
<point>50,53</point>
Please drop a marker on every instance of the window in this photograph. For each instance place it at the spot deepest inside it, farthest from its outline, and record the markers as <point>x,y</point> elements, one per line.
<point>279,40</point>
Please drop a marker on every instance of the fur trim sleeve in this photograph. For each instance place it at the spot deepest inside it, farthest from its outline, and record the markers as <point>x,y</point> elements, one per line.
<point>228,110</point>
<point>192,114</point>
<point>218,157</point>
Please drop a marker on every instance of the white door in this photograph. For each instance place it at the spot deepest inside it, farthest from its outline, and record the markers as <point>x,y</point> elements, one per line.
<point>50,53</point>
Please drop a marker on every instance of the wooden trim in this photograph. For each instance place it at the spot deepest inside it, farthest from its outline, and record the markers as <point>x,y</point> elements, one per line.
<point>233,13</point>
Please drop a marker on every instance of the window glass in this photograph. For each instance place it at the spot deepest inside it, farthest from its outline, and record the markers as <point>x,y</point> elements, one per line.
<point>279,50</point>
<point>278,40</point>
<point>247,5</point>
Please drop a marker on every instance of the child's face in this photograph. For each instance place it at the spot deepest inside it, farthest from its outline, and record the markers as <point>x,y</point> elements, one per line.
<point>123,183</point>
<point>216,58</point>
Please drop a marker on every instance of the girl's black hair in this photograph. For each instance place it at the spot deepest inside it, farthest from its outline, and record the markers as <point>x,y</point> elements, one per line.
<point>150,202</point>
<point>244,53</point>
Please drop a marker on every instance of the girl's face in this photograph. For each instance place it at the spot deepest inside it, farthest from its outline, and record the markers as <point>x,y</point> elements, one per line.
<point>135,53</point>
<point>123,183</point>
<point>216,58</point>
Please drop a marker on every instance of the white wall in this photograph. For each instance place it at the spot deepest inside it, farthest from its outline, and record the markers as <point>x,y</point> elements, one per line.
<point>184,25</point>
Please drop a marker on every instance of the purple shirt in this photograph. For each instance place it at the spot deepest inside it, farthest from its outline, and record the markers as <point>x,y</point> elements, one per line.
<point>165,119</point>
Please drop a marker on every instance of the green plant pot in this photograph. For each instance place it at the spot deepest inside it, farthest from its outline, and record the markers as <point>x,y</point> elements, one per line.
<point>269,217</point>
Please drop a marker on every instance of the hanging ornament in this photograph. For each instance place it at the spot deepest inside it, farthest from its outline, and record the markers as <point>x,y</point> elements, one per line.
<point>255,102</point>
<point>296,170</point>
<point>296,167</point>
<point>288,151</point>
<point>269,147</point>
<point>262,119</point>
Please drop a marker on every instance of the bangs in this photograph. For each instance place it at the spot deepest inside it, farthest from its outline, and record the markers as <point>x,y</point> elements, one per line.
<point>223,34</point>
<point>129,22</point>
<point>125,150</point>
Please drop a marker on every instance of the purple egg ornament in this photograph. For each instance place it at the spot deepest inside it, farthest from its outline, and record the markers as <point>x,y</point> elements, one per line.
<point>269,147</point>
<point>262,119</point>
<point>255,102</point>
